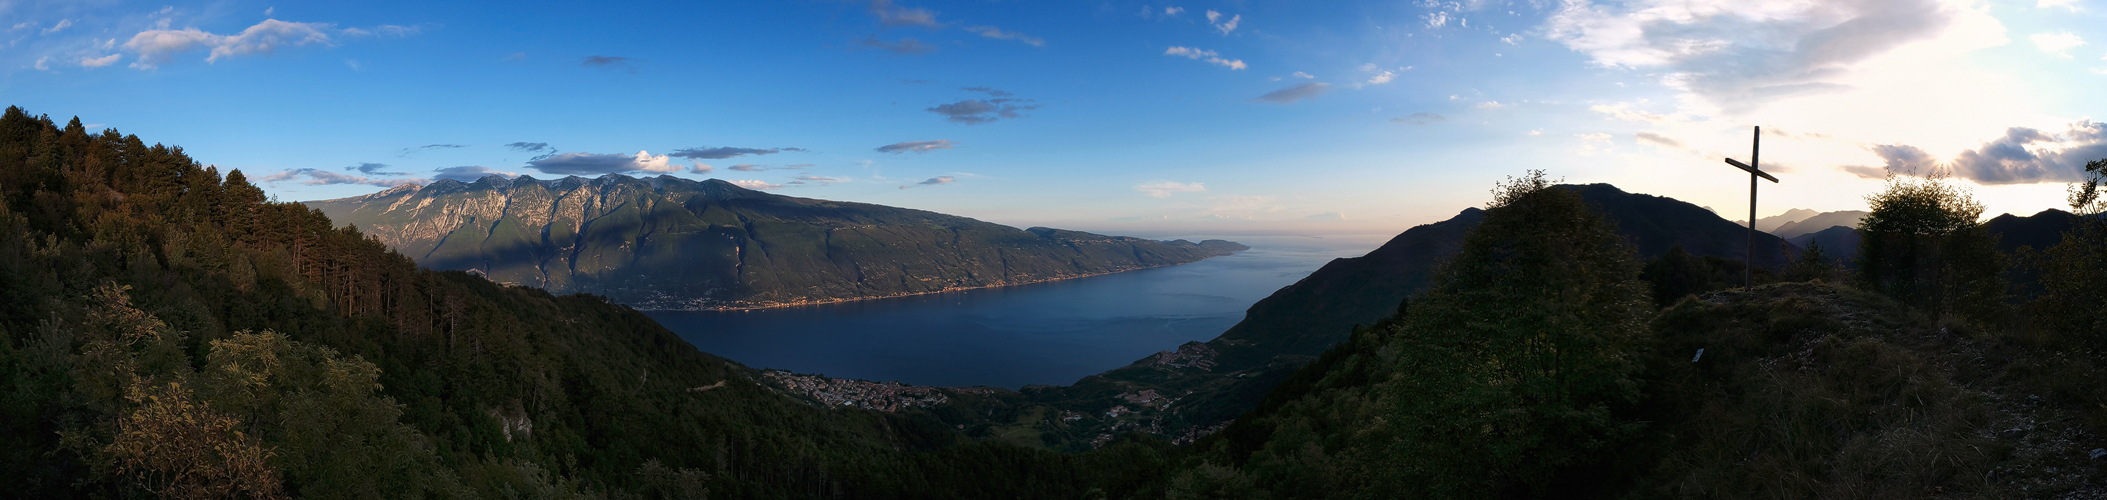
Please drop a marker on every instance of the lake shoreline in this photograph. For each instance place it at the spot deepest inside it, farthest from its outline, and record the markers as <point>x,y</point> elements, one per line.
<point>811,303</point>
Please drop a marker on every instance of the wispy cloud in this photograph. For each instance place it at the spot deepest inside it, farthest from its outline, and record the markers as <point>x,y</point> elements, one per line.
<point>319,177</point>
<point>1164,189</point>
<point>1624,111</point>
<point>755,184</point>
<point>903,46</point>
<point>815,179</point>
<point>1420,118</point>
<point>917,146</point>
<point>1224,26</point>
<point>1738,55</point>
<point>701,168</point>
<point>427,147</point>
<point>595,164</point>
<point>531,147</point>
<point>1295,92</point>
<point>891,15</point>
<point>469,173</point>
<point>610,62</point>
<point>158,46</point>
<point>1206,55</point>
<point>998,34</point>
<point>999,105</point>
<point>1662,140</point>
<point>933,181</point>
<point>97,62</point>
<point>708,153</point>
<point>372,169</point>
<point>63,24</point>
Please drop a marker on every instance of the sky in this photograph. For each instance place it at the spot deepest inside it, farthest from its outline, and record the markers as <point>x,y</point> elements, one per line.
<point>1116,116</point>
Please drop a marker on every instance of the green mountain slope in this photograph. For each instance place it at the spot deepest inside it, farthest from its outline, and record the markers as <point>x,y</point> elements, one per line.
<point>171,333</point>
<point>670,243</point>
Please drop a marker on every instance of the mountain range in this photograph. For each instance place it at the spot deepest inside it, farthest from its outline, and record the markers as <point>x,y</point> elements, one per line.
<point>671,243</point>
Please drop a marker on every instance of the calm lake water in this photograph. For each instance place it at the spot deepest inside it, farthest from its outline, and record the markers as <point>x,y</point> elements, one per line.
<point>1048,333</point>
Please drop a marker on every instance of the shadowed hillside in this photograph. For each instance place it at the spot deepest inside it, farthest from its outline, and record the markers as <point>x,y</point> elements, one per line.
<point>1219,379</point>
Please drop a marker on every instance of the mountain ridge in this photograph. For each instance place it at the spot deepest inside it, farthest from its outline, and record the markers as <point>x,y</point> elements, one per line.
<point>668,243</point>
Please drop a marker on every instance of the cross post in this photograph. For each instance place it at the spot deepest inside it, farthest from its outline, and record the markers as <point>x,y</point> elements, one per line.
<point>1748,271</point>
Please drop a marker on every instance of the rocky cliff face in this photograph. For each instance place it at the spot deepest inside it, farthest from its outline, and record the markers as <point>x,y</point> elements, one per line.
<point>670,243</point>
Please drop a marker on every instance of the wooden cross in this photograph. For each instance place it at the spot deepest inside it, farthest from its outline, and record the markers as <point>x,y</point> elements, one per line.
<point>1748,272</point>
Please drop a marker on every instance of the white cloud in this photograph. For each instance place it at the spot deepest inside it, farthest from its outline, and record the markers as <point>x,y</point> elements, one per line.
<point>590,164</point>
<point>43,64</point>
<point>267,36</point>
<point>1380,79</point>
<point>1208,55</point>
<point>1437,19</point>
<point>1172,11</point>
<point>1513,39</point>
<point>97,62</point>
<point>754,184</point>
<point>1300,74</point>
<point>158,46</point>
<point>319,177</point>
<point>1491,105</point>
<point>1737,55</point>
<point>2057,43</point>
<point>2067,4</point>
<point>1225,26</point>
<point>1164,189</point>
<point>63,23</point>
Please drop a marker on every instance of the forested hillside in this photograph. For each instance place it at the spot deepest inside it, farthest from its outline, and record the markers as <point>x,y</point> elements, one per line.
<point>1535,367</point>
<point>171,332</point>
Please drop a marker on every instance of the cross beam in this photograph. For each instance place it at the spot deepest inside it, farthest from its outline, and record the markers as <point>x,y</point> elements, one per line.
<point>1748,270</point>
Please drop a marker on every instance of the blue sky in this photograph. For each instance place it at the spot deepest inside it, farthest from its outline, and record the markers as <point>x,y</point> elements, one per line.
<point>1198,117</point>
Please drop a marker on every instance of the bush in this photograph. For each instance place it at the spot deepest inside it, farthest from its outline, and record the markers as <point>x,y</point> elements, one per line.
<point>1922,244</point>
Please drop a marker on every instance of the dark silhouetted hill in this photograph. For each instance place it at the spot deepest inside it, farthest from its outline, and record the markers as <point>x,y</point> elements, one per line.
<point>1228,375</point>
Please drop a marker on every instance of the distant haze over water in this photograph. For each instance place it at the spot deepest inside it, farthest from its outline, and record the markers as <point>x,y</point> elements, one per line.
<point>1048,333</point>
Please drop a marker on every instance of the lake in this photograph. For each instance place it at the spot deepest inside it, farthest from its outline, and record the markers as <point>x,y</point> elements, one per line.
<point>1046,333</point>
